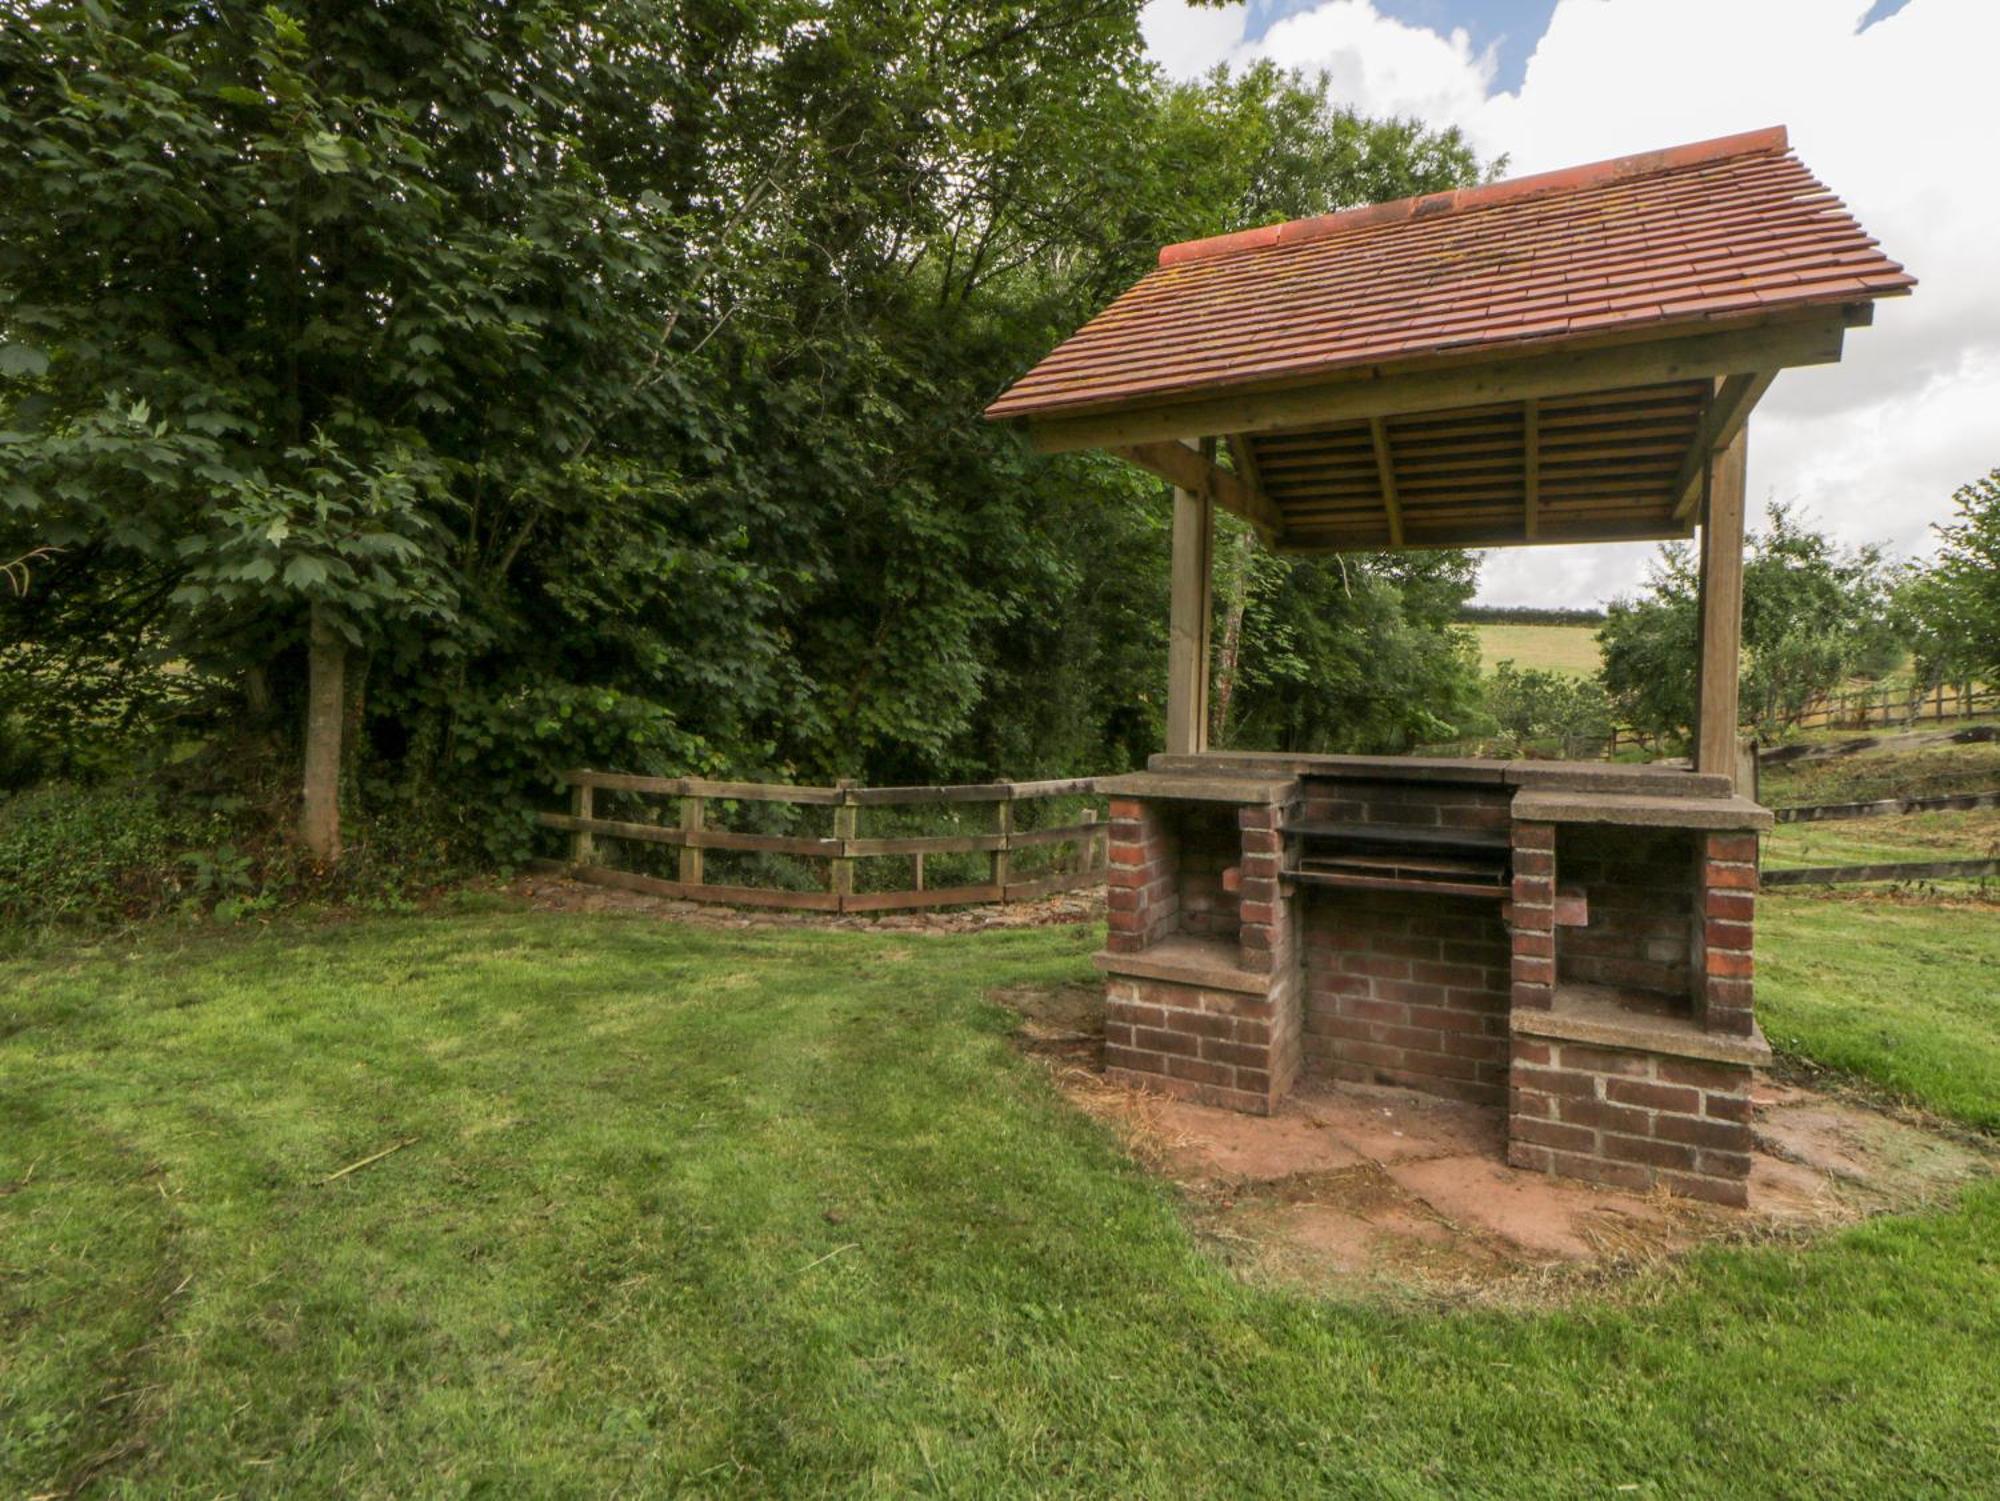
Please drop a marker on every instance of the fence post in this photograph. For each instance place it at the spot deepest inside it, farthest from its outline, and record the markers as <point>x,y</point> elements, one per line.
<point>846,819</point>
<point>1003,825</point>
<point>694,818</point>
<point>1086,849</point>
<point>582,801</point>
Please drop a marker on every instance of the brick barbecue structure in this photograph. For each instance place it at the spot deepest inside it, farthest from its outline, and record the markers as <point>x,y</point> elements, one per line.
<point>1570,941</point>
<point>1570,357</point>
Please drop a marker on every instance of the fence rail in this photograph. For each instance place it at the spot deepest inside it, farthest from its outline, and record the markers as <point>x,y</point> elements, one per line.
<point>1902,870</point>
<point>1871,708</point>
<point>1888,807</point>
<point>1078,851</point>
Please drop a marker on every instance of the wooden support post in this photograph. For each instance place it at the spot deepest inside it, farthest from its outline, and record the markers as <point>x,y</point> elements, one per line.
<point>582,849</point>
<point>846,819</point>
<point>694,816</point>
<point>1721,611</point>
<point>1188,624</point>
<point>1003,859</point>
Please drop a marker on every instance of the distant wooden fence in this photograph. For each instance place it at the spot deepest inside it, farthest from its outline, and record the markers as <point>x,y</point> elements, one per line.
<point>1889,706</point>
<point>1871,708</point>
<point>1078,852</point>
<point>1889,807</point>
<point>1897,870</point>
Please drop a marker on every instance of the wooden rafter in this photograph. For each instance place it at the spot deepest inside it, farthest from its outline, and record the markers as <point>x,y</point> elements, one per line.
<point>1200,475</point>
<point>1727,411</point>
<point>1531,465</point>
<point>1385,473</point>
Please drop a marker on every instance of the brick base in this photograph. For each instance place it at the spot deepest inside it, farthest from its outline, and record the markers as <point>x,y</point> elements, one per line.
<point>1220,1047</point>
<point>1631,1119</point>
<point>1409,991</point>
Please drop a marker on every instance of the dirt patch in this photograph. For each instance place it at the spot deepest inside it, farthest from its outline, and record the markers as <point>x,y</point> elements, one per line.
<point>1355,1188</point>
<point>558,893</point>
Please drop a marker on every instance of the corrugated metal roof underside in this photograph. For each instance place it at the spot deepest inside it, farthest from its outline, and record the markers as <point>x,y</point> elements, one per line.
<point>1728,237</point>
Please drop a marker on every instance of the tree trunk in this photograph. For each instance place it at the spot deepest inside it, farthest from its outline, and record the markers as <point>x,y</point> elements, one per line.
<point>326,674</point>
<point>1232,642</point>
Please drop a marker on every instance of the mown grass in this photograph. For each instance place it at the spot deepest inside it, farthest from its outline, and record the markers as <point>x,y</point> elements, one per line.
<point>778,1211</point>
<point>1933,771</point>
<point>1960,834</point>
<point>1903,995</point>
<point>1569,649</point>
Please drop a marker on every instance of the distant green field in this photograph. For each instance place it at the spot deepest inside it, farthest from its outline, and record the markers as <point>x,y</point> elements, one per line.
<point>1570,649</point>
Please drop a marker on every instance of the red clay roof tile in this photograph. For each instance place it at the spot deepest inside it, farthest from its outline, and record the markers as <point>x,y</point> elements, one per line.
<point>1713,229</point>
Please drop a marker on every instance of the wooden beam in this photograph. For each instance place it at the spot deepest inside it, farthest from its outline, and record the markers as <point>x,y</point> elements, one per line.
<point>1727,411</point>
<point>1244,459</point>
<point>1531,466</point>
<point>1308,541</point>
<point>1188,623</point>
<point>1183,467</point>
<point>1721,612</point>
<point>1811,340</point>
<point>1385,473</point>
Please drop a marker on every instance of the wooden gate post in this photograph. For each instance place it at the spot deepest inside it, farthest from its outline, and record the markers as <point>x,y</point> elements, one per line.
<point>694,818</point>
<point>1003,860</point>
<point>846,819</point>
<point>582,849</point>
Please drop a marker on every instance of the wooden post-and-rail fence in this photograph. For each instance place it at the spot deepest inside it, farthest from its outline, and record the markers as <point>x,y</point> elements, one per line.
<point>692,835</point>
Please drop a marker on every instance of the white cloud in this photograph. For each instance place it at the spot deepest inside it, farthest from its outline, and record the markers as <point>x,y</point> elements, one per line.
<point>1896,119</point>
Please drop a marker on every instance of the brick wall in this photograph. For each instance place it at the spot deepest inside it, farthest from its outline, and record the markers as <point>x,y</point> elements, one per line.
<point>1642,894</point>
<point>1407,988</point>
<point>1532,916</point>
<point>1629,1119</point>
<point>1142,897</point>
<point>1209,848</point>
<point>1724,938</point>
<point>1220,1047</point>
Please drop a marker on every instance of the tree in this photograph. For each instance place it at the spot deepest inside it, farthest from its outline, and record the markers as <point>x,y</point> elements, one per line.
<point>1361,654</point>
<point>1532,705</point>
<point>469,389</point>
<point>1950,608</point>
<point>1813,614</point>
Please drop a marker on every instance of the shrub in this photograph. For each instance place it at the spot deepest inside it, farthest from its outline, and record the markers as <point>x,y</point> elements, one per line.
<point>71,854</point>
<point>1535,709</point>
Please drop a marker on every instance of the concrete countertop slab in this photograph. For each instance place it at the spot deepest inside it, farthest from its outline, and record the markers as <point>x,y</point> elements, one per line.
<point>1207,963</point>
<point>1207,786</point>
<point>1605,1016</point>
<point>1650,811</point>
<point>1474,771</point>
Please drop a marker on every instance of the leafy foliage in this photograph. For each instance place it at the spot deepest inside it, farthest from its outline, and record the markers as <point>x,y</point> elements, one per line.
<point>1950,609</point>
<point>1813,614</point>
<point>1359,656</point>
<point>1534,707</point>
<point>610,375</point>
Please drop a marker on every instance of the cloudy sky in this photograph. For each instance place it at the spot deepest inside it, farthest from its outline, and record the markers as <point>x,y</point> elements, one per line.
<point>1889,102</point>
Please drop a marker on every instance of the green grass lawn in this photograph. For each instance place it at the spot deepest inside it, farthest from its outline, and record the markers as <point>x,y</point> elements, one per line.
<point>1570,649</point>
<point>1934,771</point>
<point>782,1212</point>
<point>1902,995</point>
<point>1962,834</point>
